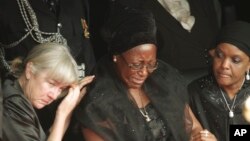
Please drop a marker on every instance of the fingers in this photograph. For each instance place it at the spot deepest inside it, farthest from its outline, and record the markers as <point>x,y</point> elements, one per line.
<point>204,133</point>
<point>73,93</point>
<point>86,80</point>
<point>76,92</point>
<point>207,136</point>
<point>74,96</point>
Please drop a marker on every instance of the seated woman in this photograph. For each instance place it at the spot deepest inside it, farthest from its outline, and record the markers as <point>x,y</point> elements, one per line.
<point>48,72</point>
<point>217,99</point>
<point>135,97</point>
<point>1,109</point>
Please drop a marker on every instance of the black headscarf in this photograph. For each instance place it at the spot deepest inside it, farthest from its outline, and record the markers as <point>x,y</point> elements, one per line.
<point>237,34</point>
<point>128,27</point>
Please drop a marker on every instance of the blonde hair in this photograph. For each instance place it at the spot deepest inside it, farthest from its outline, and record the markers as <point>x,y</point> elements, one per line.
<point>56,60</point>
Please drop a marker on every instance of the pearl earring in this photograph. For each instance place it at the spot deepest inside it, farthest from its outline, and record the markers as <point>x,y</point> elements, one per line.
<point>247,75</point>
<point>114,59</point>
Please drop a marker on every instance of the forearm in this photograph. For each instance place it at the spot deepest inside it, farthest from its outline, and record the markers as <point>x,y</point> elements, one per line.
<point>196,128</point>
<point>59,128</point>
<point>198,133</point>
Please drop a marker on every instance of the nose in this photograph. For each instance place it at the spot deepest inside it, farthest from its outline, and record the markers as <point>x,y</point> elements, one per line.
<point>54,93</point>
<point>225,64</point>
<point>143,71</point>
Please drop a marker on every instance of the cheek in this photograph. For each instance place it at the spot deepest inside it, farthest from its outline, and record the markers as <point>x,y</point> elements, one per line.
<point>216,66</point>
<point>42,90</point>
<point>127,77</point>
<point>239,71</point>
<point>217,62</point>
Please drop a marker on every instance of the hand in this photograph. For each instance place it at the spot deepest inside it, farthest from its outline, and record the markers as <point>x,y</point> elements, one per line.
<point>64,111</point>
<point>204,135</point>
<point>74,96</point>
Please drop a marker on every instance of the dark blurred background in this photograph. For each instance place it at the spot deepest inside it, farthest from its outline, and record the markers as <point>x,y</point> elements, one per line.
<point>231,10</point>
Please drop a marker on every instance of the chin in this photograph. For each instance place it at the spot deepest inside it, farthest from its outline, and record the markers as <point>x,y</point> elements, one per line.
<point>136,86</point>
<point>223,81</point>
<point>39,106</point>
<point>224,84</point>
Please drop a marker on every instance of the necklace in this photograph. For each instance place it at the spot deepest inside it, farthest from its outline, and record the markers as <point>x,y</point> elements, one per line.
<point>144,111</point>
<point>231,112</point>
<point>148,119</point>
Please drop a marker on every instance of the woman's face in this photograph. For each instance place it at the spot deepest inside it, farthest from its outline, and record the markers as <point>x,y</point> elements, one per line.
<point>135,65</point>
<point>41,90</point>
<point>230,65</point>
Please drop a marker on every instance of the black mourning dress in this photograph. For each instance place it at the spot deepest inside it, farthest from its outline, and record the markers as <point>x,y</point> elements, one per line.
<point>20,122</point>
<point>210,107</point>
<point>108,111</point>
<point>70,13</point>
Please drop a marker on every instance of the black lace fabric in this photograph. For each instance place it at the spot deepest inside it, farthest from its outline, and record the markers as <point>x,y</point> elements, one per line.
<point>109,112</point>
<point>156,126</point>
<point>210,108</point>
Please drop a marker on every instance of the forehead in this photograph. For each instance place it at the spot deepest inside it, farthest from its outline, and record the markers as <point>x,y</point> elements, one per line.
<point>231,50</point>
<point>145,49</point>
<point>51,77</point>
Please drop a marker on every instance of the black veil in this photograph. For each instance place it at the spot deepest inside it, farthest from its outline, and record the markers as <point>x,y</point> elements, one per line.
<point>108,111</point>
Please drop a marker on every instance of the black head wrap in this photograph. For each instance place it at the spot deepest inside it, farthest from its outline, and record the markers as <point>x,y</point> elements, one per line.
<point>127,28</point>
<point>237,34</point>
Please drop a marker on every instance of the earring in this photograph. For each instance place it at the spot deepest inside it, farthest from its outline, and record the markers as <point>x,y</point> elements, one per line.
<point>114,59</point>
<point>247,75</point>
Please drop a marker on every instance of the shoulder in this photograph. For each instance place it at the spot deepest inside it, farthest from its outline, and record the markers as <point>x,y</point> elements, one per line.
<point>103,86</point>
<point>18,108</point>
<point>14,102</point>
<point>205,85</point>
<point>106,89</point>
<point>167,70</point>
<point>202,82</point>
<point>11,87</point>
<point>168,81</point>
<point>167,74</point>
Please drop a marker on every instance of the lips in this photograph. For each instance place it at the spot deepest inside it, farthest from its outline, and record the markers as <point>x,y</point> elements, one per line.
<point>138,81</point>
<point>223,75</point>
<point>45,102</point>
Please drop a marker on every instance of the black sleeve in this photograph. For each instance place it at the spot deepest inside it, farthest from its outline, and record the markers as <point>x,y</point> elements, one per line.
<point>20,122</point>
<point>196,104</point>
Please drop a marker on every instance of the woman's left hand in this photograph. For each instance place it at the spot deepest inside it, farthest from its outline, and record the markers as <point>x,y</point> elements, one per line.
<point>74,96</point>
<point>64,110</point>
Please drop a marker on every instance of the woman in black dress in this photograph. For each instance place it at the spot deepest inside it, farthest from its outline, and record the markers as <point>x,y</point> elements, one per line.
<point>135,97</point>
<point>217,99</point>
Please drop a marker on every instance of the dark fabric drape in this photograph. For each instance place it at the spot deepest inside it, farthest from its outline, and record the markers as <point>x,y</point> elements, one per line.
<point>210,108</point>
<point>20,122</point>
<point>108,111</point>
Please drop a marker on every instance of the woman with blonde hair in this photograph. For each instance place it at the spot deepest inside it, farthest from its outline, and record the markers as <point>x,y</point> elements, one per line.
<point>49,71</point>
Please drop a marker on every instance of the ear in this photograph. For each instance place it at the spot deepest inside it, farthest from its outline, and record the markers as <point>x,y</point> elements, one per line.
<point>211,52</point>
<point>29,70</point>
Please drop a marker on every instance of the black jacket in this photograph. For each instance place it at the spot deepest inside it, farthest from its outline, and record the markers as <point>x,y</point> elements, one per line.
<point>209,106</point>
<point>20,122</point>
<point>109,112</point>
<point>176,46</point>
<point>70,13</point>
